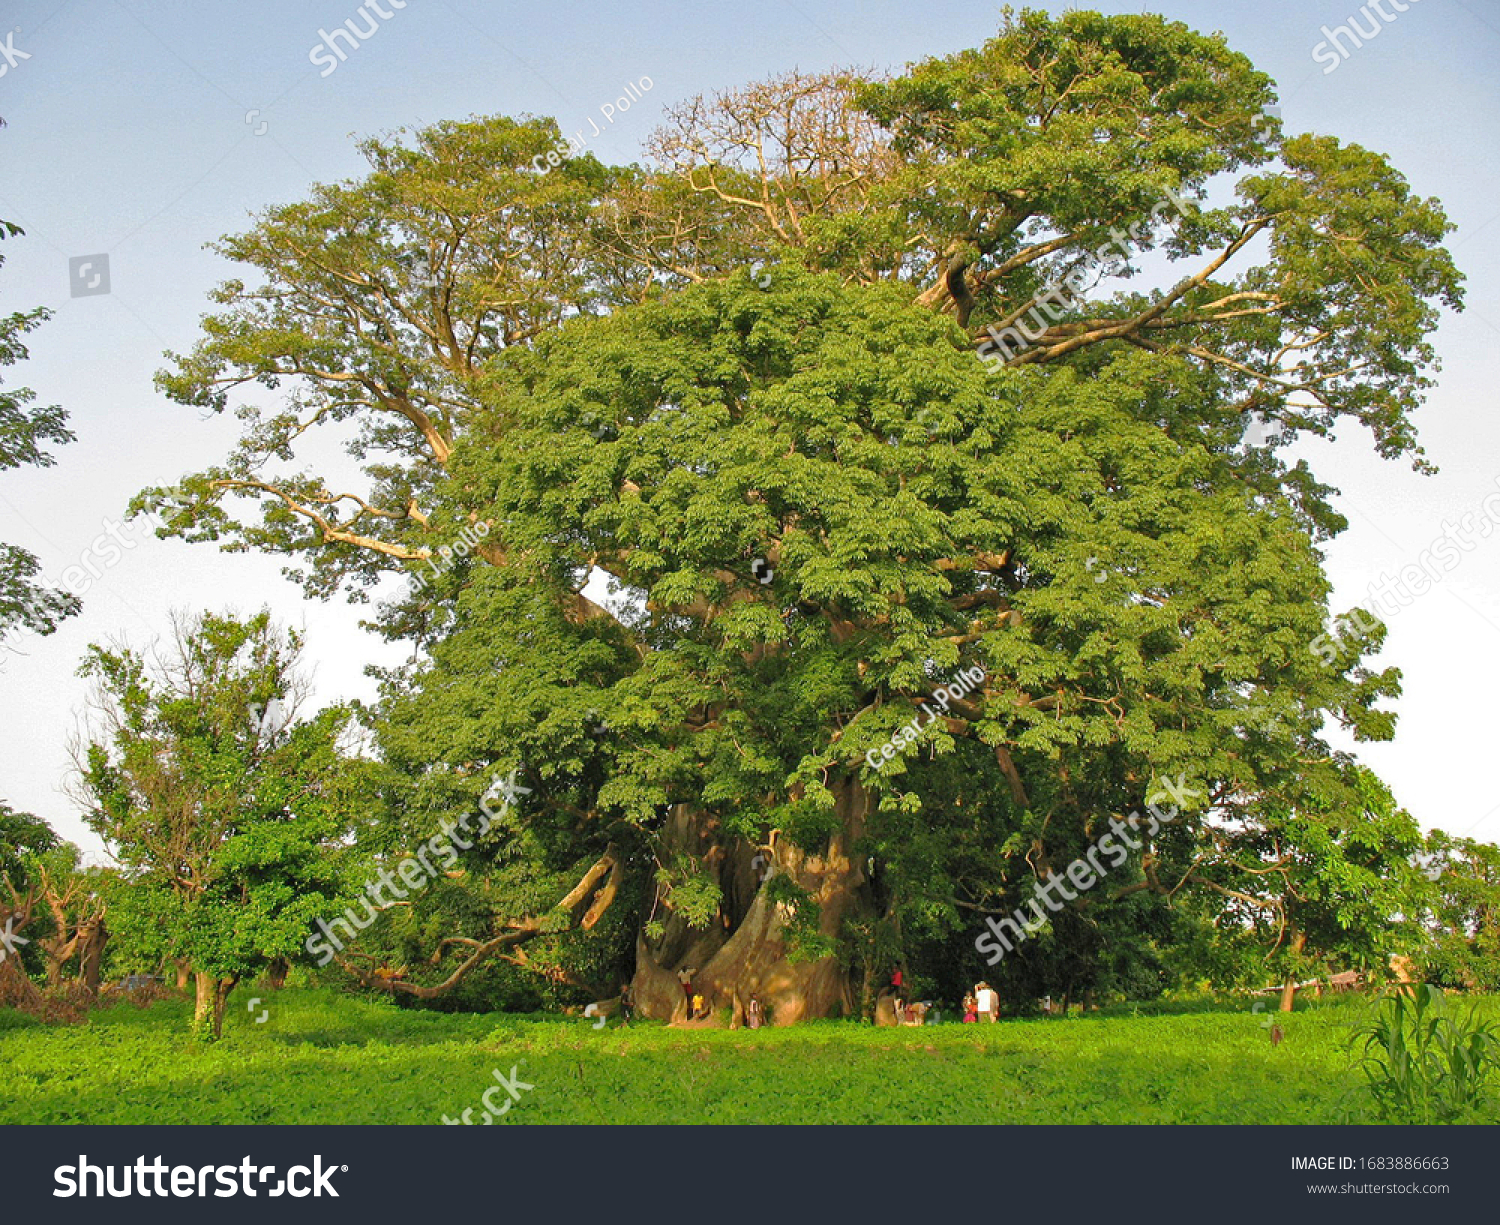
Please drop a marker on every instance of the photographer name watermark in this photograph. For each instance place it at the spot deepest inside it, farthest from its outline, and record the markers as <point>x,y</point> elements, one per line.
<point>633,91</point>
<point>945,695</point>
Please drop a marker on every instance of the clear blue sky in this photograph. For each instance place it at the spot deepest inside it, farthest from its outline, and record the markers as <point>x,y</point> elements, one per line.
<point>131,134</point>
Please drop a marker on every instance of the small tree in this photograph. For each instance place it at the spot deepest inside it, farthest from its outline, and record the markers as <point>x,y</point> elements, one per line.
<point>217,801</point>
<point>1328,878</point>
<point>1461,916</point>
<point>74,902</point>
<point>1423,1065</point>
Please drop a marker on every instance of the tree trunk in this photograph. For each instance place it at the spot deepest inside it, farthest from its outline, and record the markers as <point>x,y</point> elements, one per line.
<point>276,973</point>
<point>93,935</point>
<point>746,950</point>
<point>58,948</point>
<point>184,972</point>
<point>57,951</point>
<point>211,998</point>
<point>1289,992</point>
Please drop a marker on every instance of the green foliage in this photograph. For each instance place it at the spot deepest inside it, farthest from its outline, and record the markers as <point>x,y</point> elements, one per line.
<point>23,429</point>
<point>1323,880</point>
<point>1459,941</point>
<point>22,838</point>
<point>454,224</point>
<point>25,842</point>
<point>231,825</point>
<point>691,893</point>
<point>1423,1065</point>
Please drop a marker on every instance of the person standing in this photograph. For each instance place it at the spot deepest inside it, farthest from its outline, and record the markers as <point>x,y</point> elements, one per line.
<point>753,1013</point>
<point>685,977</point>
<point>971,1009</point>
<point>898,998</point>
<point>988,1001</point>
<point>626,1004</point>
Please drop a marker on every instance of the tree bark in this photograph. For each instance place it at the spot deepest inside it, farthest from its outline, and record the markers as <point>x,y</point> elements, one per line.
<point>583,907</point>
<point>211,999</point>
<point>747,951</point>
<point>58,950</point>
<point>1289,991</point>
<point>93,935</point>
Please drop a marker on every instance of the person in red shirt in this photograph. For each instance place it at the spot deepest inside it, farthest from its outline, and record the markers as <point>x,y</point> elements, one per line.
<point>899,1002</point>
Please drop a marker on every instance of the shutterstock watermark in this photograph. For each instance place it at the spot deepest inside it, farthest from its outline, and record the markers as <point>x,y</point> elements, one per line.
<point>13,54</point>
<point>323,51</point>
<point>1331,51</point>
<point>1083,873</point>
<point>512,1084</point>
<point>88,275</point>
<point>968,680</point>
<point>1054,301</point>
<point>415,870</point>
<point>1390,593</point>
<point>105,552</point>
<point>186,1180</point>
<point>9,939</point>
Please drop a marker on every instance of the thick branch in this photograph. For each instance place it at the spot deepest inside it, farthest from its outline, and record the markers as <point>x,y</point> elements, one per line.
<point>603,878</point>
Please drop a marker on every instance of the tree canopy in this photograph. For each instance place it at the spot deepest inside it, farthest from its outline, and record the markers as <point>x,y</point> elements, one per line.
<point>741,384</point>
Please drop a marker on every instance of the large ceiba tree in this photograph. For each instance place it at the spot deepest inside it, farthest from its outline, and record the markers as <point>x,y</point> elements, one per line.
<point>741,385</point>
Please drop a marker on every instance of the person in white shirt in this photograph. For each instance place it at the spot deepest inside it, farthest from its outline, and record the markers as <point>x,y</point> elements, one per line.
<point>988,1001</point>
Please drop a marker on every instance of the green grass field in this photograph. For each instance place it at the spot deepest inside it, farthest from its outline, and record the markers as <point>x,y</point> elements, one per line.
<point>326,1058</point>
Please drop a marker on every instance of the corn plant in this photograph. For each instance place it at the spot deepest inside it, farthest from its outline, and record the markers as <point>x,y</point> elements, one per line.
<point>1421,1064</point>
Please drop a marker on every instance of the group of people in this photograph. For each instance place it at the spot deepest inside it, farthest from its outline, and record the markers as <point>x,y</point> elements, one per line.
<point>697,1006</point>
<point>982,1001</point>
<point>920,1013</point>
